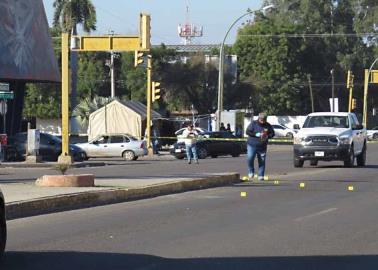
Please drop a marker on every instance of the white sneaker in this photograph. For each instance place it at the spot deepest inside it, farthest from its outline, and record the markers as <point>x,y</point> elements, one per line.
<point>260,178</point>
<point>250,177</point>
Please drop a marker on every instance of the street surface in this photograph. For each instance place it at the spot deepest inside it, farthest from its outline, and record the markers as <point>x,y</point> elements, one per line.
<point>276,226</point>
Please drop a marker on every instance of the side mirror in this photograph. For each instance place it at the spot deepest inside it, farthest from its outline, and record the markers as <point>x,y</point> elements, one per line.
<point>296,126</point>
<point>358,127</point>
<point>95,142</point>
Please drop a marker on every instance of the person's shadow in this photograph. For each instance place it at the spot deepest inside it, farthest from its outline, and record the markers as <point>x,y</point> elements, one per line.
<point>56,260</point>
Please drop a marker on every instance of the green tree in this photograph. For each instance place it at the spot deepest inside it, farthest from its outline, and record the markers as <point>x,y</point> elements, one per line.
<point>68,15</point>
<point>87,106</point>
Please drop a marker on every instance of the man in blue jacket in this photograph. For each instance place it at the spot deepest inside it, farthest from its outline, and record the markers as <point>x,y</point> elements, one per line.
<point>259,132</point>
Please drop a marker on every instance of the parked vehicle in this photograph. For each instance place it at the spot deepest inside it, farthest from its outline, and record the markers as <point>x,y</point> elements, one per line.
<point>3,225</point>
<point>282,131</point>
<point>212,144</point>
<point>115,145</point>
<point>373,133</point>
<point>50,148</point>
<point>330,136</point>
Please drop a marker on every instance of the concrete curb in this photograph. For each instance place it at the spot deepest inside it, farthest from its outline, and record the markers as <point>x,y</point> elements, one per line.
<point>49,165</point>
<point>66,202</point>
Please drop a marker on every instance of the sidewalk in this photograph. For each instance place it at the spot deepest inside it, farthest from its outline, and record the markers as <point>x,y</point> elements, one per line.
<point>26,199</point>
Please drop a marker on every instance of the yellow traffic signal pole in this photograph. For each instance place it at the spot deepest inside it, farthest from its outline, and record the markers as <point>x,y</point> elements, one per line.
<point>350,86</point>
<point>65,156</point>
<point>97,43</point>
<point>149,104</point>
<point>366,84</point>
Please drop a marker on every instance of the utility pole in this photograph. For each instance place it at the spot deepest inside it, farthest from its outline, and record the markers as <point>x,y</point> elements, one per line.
<point>112,81</point>
<point>333,91</point>
<point>149,104</point>
<point>311,94</point>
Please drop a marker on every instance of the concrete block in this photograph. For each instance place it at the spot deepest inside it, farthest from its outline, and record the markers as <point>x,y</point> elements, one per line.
<point>81,180</point>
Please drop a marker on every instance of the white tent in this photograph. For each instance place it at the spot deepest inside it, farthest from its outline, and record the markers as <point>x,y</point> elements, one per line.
<point>119,117</point>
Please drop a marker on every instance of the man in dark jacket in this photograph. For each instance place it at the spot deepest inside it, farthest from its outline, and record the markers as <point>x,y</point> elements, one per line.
<point>259,132</point>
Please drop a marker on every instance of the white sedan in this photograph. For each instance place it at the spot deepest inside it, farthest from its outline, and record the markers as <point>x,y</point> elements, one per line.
<point>115,145</point>
<point>282,131</point>
<point>372,133</point>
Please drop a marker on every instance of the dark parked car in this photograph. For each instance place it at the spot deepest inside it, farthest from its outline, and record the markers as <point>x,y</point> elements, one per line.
<point>212,144</point>
<point>3,225</point>
<point>50,147</point>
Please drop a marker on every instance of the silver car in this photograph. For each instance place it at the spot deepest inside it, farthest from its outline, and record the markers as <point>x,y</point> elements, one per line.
<point>3,225</point>
<point>114,145</point>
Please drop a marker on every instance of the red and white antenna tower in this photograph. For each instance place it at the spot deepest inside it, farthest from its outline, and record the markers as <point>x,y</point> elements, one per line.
<point>189,31</point>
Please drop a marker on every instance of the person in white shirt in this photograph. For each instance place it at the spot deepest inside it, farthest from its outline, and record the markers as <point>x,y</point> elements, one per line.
<point>190,138</point>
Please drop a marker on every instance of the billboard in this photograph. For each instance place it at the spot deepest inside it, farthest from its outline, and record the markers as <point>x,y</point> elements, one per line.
<point>26,51</point>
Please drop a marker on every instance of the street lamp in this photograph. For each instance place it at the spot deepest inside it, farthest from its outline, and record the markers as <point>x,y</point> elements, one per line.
<point>366,85</point>
<point>221,64</point>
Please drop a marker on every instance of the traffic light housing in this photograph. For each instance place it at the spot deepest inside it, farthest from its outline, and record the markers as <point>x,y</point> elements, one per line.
<point>155,91</point>
<point>354,103</point>
<point>350,78</point>
<point>138,58</point>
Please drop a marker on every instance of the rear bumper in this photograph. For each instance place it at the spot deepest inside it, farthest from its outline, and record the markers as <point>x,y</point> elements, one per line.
<point>339,152</point>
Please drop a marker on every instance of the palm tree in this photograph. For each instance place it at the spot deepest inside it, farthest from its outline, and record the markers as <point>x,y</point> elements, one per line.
<point>68,15</point>
<point>84,109</point>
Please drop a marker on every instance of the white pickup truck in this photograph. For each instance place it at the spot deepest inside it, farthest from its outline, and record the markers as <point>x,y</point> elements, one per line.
<point>330,136</point>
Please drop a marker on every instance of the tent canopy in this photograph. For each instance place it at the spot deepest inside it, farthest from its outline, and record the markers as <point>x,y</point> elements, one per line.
<point>119,117</point>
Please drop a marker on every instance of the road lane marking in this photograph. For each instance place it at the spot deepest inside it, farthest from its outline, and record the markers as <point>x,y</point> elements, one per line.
<point>316,214</point>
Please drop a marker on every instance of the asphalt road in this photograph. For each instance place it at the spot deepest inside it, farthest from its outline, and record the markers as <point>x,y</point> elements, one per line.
<point>320,226</point>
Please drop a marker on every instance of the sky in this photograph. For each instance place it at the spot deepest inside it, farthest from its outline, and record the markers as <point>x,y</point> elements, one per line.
<point>122,17</point>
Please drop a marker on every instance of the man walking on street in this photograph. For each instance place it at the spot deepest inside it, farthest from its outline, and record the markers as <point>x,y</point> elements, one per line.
<point>190,137</point>
<point>259,132</point>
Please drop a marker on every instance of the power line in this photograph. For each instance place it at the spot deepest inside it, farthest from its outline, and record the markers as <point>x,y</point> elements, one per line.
<point>311,35</point>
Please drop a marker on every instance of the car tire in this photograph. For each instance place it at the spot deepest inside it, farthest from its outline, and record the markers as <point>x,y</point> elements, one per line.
<point>298,163</point>
<point>3,232</point>
<point>375,136</point>
<point>313,162</point>
<point>350,161</point>
<point>202,153</point>
<point>289,135</point>
<point>128,155</point>
<point>361,158</point>
<point>135,158</point>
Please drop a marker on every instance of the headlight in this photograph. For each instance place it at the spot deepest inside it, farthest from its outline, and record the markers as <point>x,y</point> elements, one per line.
<point>298,140</point>
<point>344,140</point>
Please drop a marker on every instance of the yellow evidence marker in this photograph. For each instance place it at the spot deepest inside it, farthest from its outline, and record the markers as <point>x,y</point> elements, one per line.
<point>350,188</point>
<point>245,178</point>
<point>266,178</point>
<point>302,185</point>
<point>276,182</point>
<point>243,194</point>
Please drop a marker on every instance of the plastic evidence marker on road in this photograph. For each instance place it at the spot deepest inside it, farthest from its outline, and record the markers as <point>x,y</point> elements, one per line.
<point>276,182</point>
<point>243,194</point>
<point>350,188</point>
<point>302,185</point>
<point>245,178</point>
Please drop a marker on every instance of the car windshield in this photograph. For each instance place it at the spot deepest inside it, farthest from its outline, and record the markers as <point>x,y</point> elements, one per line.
<point>53,138</point>
<point>327,121</point>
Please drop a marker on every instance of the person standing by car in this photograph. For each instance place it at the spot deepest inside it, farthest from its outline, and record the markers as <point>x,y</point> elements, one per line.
<point>190,138</point>
<point>259,132</point>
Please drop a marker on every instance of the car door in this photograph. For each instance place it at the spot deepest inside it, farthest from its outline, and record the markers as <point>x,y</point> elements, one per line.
<point>99,147</point>
<point>356,134</point>
<point>116,145</point>
<point>360,134</point>
<point>48,148</point>
<point>279,131</point>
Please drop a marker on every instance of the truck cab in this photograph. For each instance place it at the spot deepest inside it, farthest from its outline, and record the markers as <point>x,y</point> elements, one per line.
<point>329,136</point>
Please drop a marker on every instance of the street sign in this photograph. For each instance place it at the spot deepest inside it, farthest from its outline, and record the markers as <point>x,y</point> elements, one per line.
<point>6,95</point>
<point>4,86</point>
<point>3,107</point>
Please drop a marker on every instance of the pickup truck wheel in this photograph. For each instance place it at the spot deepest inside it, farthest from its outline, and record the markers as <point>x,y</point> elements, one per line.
<point>361,158</point>
<point>350,161</point>
<point>298,163</point>
<point>314,163</point>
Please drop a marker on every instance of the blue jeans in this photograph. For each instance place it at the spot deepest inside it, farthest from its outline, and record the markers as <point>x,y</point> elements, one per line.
<point>191,148</point>
<point>261,157</point>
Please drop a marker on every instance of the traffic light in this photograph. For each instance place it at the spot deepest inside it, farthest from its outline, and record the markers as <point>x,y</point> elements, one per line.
<point>155,91</point>
<point>138,58</point>
<point>350,78</point>
<point>354,103</point>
